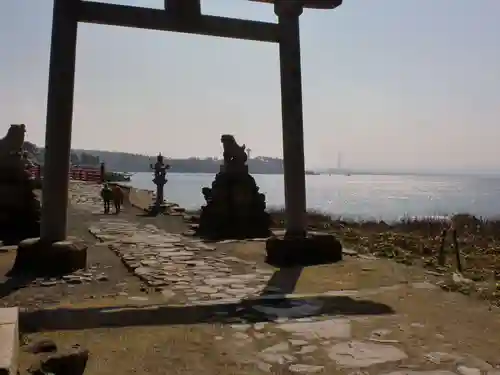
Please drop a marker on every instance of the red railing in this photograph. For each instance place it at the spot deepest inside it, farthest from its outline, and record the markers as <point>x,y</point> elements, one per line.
<point>89,174</point>
<point>85,174</point>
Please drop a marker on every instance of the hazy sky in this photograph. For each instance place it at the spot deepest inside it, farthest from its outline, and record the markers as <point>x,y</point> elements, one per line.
<point>389,83</point>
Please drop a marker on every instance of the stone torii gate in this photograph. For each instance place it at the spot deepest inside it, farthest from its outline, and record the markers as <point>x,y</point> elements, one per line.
<point>180,16</point>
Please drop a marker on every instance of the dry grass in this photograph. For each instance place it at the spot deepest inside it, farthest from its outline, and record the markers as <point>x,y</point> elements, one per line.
<point>417,241</point>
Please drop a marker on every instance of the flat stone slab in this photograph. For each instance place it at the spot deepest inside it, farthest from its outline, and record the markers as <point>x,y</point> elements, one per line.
<point>356,354</point>
<point>9,340</point>
<point>328,329</point>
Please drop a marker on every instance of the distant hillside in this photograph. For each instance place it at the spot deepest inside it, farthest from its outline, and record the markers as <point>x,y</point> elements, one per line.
<point>127,162</point>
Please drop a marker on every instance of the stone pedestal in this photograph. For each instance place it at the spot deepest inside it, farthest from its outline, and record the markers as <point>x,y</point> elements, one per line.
<point>311,250</point>
<point>156,209</point>
<point>36,257</point>
<point>235,209</point>
<point>19,206</point>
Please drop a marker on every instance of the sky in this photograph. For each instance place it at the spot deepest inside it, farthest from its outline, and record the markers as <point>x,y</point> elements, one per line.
<point>401,84</point>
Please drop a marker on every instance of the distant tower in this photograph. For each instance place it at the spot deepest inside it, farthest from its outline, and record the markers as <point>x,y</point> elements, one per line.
<point>339,161</point>
<point>248,153</point>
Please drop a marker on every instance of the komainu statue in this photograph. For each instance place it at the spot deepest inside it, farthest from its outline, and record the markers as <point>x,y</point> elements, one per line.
<point>234,207</point>
<point>12,143</point>
<point>234,155</point>
<point>19,205</point>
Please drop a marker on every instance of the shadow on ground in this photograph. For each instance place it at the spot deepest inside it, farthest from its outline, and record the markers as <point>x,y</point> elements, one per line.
<point>247,311</point>
<point>271,304</point>
<point>283,280</point>
<point>14,283</point>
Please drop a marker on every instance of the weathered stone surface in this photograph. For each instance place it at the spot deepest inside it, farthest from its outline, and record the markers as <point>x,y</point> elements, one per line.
<point>9,340</point>
<point>469,360</point>
<point>464,370</point>
<point>307,349</point>
<point>441,357</point>
<point>327,329</point>
<point>278,348</point>
<point>306,369</point>
<point>298,342</point>
<point>277,358</point>
<point>185,266</point>
<point>241,336</point>
<point>357,354</point>
<point>310,250</point>
<point>37,257</point>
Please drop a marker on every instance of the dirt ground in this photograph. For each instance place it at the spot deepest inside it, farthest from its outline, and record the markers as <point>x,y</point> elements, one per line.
<point>37,293</point>
<point>30,294</point>
<point>424,320</point>
<point>129,329</point>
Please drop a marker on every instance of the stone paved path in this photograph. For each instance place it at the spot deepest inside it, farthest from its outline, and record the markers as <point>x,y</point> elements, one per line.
<point>181,265</point>
<point>295,335</point>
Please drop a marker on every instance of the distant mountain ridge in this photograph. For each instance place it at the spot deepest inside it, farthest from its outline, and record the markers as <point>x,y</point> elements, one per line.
<point>129,162</point>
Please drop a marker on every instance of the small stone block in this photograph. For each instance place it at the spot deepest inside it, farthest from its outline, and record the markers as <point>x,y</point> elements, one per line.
<point>35,256</point>
<point>9,340</point>
<point>303,251</point>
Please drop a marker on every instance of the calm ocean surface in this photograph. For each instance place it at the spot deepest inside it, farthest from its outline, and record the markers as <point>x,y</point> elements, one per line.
<point>357,196</point>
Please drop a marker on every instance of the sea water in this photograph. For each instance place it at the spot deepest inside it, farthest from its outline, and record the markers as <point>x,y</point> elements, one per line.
<point>385,197</point>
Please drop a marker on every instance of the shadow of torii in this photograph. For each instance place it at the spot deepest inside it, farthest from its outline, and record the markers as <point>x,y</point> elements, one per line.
<point>154,315</point>
<point>251,310</point>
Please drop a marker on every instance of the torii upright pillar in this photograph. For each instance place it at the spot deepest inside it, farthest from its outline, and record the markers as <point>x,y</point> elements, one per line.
<point>288,13</point>
<point>52,253</point>
<point>59,120</point>
<point>296,248</point>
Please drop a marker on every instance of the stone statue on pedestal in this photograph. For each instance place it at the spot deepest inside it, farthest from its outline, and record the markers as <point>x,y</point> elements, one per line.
<point>20,215</point>
<point>234,207</point>
<point>160,179</point>
<point>19,205</point>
